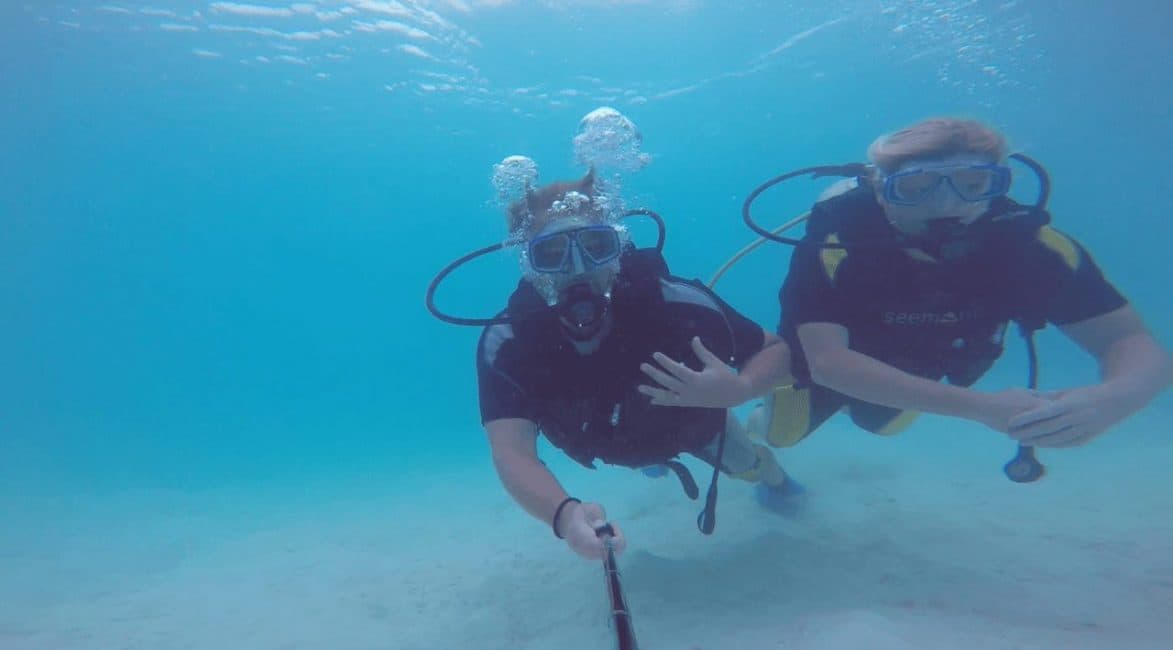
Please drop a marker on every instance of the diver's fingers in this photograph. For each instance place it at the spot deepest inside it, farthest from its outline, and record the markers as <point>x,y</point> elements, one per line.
<point>660,397</point>
<point>582,539</point>
<point>661,377</point>
<point>1023,422</point>
<point>1042,428</point>
<point>618,540</point>
<point>1075,439</point>
<point>703,353</point>
<point>594,513</point>
<point>678,369</point>
<point>1071,436</point>
<point>591,549</point>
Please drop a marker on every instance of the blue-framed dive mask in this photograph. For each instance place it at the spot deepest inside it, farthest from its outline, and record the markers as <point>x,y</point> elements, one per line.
<point>971,183</point>
<point>597,245</point>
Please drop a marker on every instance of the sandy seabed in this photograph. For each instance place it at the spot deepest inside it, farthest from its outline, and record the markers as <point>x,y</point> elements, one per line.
<point>912,542</point>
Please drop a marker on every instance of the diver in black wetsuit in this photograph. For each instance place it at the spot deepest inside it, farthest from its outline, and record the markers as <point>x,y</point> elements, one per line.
<point>614,359</point>
<point>873,329</point>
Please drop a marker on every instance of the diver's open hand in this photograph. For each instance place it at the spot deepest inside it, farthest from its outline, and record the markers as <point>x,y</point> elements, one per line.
<point>1072,417</point>
<point>579,523</point>
<point>717,385</point>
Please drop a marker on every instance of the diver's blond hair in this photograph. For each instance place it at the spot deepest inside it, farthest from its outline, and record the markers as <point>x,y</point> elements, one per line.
<point>936,137</point>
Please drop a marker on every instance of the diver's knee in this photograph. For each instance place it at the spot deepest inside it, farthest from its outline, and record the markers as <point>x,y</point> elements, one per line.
<point>765,468</point>
<point>756,423</point>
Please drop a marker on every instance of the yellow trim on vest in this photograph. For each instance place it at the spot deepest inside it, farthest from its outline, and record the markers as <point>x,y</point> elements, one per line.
<point>898,424</point>
<point>832,257</point>
<point>1060,244</point>
<point>790,416</point>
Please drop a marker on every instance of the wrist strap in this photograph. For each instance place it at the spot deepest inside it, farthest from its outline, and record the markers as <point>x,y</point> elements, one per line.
<point>554,522</point>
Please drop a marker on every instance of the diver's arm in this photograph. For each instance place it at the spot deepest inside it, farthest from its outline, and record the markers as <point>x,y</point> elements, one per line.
<point>768,368</point>
<point>530,483</point>
<point>515,455</point>
<point>1134,368</point>
<point>834,365</point>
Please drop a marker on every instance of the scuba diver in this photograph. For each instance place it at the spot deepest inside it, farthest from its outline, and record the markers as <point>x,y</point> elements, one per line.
<point>613,359</point>
<point>911,272</point>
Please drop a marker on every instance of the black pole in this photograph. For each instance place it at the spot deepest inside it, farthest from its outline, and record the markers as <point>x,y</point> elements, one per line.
<point>620,615</point>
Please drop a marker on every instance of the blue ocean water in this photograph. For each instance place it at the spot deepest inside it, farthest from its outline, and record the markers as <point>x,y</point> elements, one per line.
<point>219,219</point>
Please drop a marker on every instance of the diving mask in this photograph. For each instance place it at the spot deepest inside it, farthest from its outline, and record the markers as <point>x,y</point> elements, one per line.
<point>596,245</point>
<point>573,269</point>
<point>971,183</point>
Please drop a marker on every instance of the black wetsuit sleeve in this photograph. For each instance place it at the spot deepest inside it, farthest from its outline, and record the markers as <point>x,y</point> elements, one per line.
<point>694,309</point>
<point>501,396</point>
<point>807,294</point>
<point>748,336</point>
<point>1067,285</point>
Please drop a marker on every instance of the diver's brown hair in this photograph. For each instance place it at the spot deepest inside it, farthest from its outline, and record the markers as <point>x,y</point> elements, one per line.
<point>531,213</point>
<point>936,137</point>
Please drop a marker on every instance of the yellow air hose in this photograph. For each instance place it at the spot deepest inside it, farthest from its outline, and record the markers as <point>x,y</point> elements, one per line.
<point>752,246</point>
